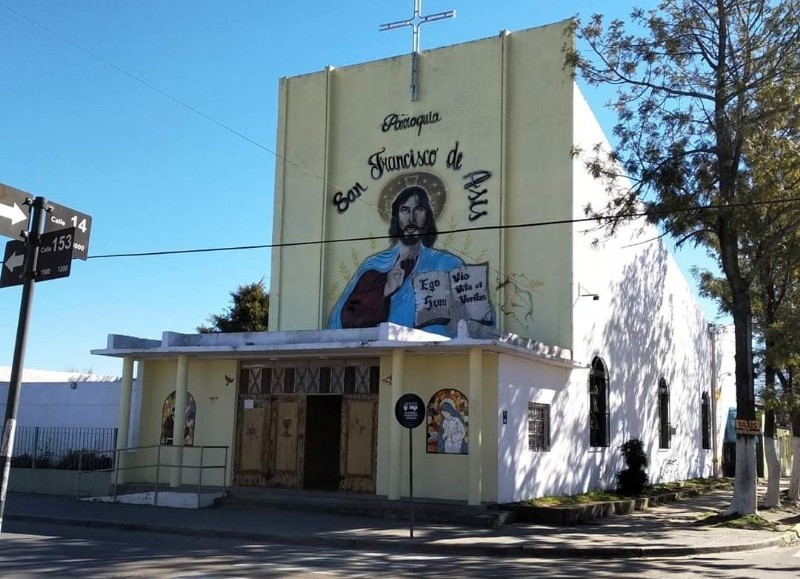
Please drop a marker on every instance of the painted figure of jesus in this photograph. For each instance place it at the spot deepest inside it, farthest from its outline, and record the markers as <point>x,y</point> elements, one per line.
<point>381,290</point>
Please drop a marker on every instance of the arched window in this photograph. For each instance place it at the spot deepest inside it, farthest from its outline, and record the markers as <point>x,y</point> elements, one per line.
<point>663,414</point>
<point>598,404</point>
<point>168,420</point>
<point>705,413</point>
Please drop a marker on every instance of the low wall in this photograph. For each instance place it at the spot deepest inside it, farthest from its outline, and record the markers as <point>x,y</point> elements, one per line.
<point>49,481</point>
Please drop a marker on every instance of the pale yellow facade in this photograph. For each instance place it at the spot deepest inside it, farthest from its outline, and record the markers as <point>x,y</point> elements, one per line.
<point>215,403</point>
<point>496,129</point>
<point>440,475</point>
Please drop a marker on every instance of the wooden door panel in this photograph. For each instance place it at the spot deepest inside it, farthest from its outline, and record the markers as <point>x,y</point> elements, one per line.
<point>358,444</point>
<point>287,435</point>
<point>252,438</point>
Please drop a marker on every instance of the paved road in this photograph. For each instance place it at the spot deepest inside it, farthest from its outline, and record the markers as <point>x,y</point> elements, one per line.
<point>32,550</point>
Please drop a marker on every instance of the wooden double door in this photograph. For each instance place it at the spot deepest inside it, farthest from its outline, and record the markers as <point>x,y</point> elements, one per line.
<point>315,441</point>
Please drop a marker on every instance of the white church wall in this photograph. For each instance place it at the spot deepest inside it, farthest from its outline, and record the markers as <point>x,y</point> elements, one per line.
<point>523,473</point>
<point>646,324</point>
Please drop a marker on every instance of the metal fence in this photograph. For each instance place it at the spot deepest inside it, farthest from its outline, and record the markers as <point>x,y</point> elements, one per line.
<point>64,447</point>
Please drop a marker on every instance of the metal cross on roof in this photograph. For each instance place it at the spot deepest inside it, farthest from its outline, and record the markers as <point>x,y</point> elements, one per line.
<point>415,22</point>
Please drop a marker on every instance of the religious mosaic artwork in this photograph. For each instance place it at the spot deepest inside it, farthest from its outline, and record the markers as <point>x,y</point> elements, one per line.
<point>411,283</point>
<point>447,422</point>
<point>168,420</point>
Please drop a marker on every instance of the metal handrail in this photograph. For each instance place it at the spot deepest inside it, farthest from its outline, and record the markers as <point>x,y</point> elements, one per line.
<point>158,464</point>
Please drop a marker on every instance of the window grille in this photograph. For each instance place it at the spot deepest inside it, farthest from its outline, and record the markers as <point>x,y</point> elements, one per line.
<point>598,404</point>
<point>312,377</point>
<point>538,427</point>
<point>705,412</point>
<point>665,427</point>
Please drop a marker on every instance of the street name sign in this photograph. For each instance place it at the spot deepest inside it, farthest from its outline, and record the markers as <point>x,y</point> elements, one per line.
<point>62,217</point>
<point>55,258</point>
<point>55,254</point>
<point>13,211</point>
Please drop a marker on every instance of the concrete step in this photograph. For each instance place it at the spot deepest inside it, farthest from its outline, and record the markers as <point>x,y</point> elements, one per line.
<point>357,504</point>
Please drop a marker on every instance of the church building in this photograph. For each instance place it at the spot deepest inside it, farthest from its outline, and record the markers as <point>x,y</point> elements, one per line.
<point>430,240</point>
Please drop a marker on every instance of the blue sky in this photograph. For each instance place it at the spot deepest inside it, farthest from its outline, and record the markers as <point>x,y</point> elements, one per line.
<point>158,164</point>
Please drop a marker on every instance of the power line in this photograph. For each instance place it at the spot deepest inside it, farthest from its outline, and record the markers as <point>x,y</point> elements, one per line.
<point>164,93</point>
<point>598,218</point>
<point>138,79</point>
<point>252,141</point>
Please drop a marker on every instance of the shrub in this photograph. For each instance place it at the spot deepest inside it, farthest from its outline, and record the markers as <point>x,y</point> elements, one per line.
<point>22,461</point>
<point>634,479</point>
<point>71,461</point>
<point>89,461</point>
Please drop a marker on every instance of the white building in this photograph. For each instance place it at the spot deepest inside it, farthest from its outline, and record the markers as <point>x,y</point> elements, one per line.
<point>66,400</point>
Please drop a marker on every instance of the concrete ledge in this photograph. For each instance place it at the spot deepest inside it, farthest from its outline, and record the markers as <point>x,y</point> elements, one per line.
<point>165,498</point>
<point>564,515</point>
<point>53,481</point>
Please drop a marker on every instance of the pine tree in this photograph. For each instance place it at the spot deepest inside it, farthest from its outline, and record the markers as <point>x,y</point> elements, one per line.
<point>249,312</point>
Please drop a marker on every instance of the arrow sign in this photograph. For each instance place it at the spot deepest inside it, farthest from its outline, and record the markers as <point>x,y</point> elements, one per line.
<point>13,261</point>
<point>13,211</point>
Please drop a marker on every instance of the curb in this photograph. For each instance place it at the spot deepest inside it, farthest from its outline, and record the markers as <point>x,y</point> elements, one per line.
<point>570,515</point>
<point>411,545</point>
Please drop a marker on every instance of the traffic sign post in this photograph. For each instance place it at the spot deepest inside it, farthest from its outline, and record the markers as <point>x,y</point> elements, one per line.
<point>410,413</point>
<point>56,235</point>
<point>12,406</point>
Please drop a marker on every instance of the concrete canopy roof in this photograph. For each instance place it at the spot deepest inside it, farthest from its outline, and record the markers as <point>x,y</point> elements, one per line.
<point>363,342</point>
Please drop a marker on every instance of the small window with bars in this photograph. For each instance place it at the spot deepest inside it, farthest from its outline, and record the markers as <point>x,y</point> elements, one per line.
<point>705,412</point>
<point>664,425</point>
<point>599,434</point>
<point>538,427</point>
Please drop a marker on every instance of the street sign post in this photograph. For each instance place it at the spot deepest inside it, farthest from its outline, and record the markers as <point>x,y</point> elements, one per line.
<point>54,235</point>
<point>14,211</point>
<point>409,410</point>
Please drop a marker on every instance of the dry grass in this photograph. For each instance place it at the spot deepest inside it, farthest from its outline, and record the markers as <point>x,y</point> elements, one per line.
<point>599,496</point>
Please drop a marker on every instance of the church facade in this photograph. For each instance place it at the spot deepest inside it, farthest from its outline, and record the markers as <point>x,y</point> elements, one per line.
<point>434,244</point>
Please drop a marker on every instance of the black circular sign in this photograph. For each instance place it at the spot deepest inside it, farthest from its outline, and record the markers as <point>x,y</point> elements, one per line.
<point>409,410</point>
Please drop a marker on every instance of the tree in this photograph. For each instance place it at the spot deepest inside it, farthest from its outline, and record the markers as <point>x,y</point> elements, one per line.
<point>249,312</point>
<point>701,78</point>
<point>772,243</point>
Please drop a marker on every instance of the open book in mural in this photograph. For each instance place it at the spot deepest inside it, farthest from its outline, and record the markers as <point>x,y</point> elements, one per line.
<point>459,294</point>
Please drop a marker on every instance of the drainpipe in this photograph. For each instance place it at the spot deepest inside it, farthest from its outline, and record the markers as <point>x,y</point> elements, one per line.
<point>712,332</point>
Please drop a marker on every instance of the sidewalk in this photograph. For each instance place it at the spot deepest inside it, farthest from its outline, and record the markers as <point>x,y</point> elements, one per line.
<point>663,531</point>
